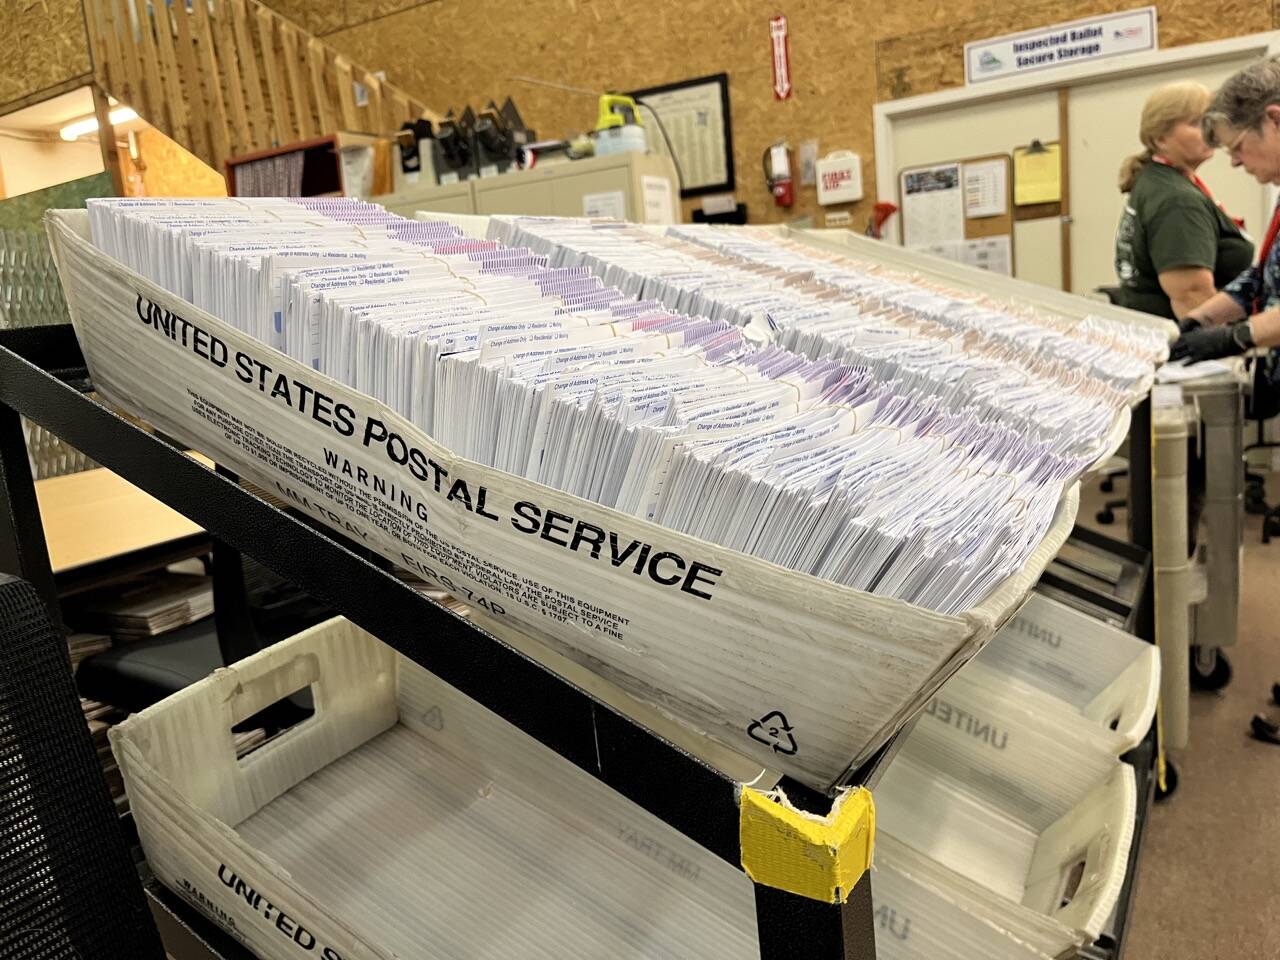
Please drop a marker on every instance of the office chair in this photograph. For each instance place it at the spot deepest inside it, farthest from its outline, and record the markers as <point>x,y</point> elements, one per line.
<point>1264,727</point>
<point>68,885</point>
<point>1261,407</point>
<point>1116,468</point>
<point>1255,490</point>
<point>252,609</point>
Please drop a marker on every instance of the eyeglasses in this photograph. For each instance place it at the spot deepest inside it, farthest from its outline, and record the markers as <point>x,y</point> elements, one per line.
<point>1233,147</point>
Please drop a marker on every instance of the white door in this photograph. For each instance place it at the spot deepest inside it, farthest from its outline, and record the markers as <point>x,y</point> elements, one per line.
<point>985,128</point>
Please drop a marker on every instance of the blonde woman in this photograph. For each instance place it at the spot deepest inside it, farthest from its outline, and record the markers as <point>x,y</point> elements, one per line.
<point>1175,247</point>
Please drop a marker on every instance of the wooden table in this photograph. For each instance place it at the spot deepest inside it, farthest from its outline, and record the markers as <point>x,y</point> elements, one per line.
<point>100,528</point>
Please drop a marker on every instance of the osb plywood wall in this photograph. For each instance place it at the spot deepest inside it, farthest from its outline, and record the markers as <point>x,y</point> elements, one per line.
<point>166,169</point>
<point>845,56</point>
<point>43,45</point>
<point>931,59</point>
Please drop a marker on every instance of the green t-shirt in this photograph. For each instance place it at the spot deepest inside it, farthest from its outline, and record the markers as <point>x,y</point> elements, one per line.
<point>1168,222</point>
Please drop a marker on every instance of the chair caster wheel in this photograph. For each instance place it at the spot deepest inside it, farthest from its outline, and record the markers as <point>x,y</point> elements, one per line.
<point>1264,728</point>
<point>1170,782</point>
<point>1106,516</point>
<point>1107,486</point>
<point>1210,669</point>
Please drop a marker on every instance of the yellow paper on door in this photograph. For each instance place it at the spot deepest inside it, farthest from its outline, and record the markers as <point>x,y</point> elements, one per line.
<point>1037,175</point>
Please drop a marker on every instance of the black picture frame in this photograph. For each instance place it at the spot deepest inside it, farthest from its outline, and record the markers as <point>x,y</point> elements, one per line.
<point>722,81</point>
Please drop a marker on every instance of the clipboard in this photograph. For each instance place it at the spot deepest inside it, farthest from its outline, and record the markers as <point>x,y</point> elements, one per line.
<point>1038,182</point>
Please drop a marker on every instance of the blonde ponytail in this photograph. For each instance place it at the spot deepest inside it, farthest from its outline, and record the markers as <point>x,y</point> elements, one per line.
<point>1130,169</point>
<point>1168,105</point>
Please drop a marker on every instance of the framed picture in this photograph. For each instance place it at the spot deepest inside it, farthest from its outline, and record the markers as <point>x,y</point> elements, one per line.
<point>694,126</point>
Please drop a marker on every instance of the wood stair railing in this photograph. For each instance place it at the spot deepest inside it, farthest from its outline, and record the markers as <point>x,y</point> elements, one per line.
<point>226,77</point>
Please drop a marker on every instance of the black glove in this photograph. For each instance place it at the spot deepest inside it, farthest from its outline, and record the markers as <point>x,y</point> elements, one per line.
<point>1210,343</point>
<point>1187,324</point>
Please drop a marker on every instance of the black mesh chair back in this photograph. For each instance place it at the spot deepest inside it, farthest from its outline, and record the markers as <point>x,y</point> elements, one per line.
<point>68,886</point>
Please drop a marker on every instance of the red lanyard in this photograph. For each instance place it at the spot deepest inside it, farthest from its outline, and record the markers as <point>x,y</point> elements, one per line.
<point>1203,188</point>
<point>1267,243</point>
<point>1263,252</point>
<point>1270,238</point>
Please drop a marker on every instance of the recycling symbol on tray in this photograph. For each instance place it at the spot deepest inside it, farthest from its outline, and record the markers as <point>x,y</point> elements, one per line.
<point>773,730</point>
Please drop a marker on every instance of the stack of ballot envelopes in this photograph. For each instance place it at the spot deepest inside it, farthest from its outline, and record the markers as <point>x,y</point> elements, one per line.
<point>777,497</point>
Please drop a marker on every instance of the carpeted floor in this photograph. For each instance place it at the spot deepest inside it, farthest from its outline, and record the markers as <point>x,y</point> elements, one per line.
<point>1209,879</point>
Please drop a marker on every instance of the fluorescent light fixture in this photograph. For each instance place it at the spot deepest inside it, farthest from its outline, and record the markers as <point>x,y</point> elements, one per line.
<point>78,129</point>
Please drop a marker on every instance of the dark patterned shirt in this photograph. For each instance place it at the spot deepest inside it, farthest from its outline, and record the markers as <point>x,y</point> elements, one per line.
<point>1258,287</point>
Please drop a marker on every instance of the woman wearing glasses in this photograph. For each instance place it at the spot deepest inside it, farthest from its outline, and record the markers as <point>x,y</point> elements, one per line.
<point>1175,247</point>
<point>1244,118</point>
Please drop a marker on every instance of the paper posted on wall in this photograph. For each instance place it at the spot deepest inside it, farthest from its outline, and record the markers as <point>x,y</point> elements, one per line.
<point>986,188</point>
<point>932,205</point>
<point>986,253</point>
<point>611,203</point>
<point>657,200</point>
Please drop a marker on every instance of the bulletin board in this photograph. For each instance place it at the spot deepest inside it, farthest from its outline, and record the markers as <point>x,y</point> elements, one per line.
<point>961,209</point>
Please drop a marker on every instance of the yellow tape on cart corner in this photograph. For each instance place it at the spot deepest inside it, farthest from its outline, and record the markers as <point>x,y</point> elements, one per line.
<point>821,858</point>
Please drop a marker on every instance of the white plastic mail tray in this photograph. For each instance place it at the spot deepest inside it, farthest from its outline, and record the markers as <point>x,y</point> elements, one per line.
<point>405,820</point>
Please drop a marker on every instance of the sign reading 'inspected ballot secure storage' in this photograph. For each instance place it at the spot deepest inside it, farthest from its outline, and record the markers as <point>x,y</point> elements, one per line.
<point>1044,48</point>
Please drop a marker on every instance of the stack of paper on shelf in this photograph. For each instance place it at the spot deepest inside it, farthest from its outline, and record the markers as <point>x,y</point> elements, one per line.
<point>81,645</point>
<point>101,718</point>
<point>147,606</point>
<point>246,741</point>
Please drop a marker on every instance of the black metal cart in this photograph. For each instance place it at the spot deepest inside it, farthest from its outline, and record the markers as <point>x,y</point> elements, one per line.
<point>43,377</point>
